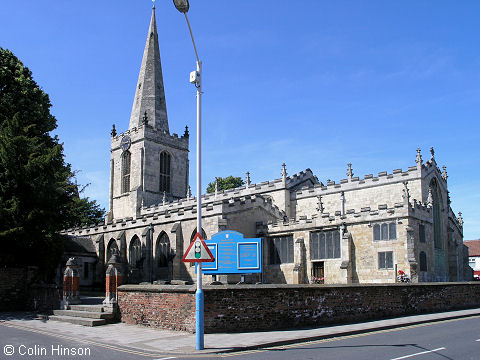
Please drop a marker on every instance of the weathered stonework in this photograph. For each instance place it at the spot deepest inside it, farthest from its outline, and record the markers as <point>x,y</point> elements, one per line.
<point>151,229</point>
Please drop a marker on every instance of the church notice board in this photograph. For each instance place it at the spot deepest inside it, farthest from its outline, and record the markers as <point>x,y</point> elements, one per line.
<point>233,254</point>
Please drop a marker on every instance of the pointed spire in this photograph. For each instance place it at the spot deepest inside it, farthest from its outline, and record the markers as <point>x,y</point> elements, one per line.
<point>149,104</point>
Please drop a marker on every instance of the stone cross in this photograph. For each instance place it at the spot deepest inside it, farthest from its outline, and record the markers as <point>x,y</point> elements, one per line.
<point>349,171</point>
<point>114,131</point>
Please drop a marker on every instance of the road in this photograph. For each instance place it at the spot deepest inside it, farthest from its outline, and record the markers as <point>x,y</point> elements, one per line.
<point>452,339</point>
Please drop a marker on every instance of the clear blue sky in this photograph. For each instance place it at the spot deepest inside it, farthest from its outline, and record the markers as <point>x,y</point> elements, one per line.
<point>315,84</point>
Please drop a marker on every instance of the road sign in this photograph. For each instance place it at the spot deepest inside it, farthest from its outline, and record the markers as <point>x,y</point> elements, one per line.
<point>198,251</point>
<point>234,254</point>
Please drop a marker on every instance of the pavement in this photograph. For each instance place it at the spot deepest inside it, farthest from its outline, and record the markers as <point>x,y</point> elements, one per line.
<point>153,342</point>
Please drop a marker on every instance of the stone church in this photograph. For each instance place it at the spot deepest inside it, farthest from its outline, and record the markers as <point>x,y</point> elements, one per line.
<point>356,230</point>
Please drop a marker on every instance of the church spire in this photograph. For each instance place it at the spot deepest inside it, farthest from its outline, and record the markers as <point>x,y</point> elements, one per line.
<point>150,94</point>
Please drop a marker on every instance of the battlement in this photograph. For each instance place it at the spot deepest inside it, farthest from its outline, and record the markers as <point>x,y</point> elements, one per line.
<point>325,220</point>
<point>150,133</point>
<point>356,183</point>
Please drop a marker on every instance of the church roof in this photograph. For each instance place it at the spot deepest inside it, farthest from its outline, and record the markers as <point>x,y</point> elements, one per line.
<point>473,247</point>
<point>79,245</point>
<point>150,93</point>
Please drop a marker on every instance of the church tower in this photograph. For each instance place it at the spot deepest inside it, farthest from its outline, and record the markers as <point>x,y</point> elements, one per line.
<point>148,164</point>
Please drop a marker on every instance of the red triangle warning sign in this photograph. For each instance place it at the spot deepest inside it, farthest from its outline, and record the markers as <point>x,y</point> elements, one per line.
<point>198,251</point>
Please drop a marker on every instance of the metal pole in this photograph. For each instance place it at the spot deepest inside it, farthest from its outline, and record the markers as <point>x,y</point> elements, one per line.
<point>199,292</point>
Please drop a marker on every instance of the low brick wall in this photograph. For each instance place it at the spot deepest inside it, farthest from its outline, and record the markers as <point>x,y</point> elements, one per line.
<point>235,308</point>
<point>13,287</point>
<point>44,298</point>
<point>167,307</point>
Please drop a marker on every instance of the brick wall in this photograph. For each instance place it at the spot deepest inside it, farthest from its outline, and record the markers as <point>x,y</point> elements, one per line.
<point>167,307</point>
<point>13,288</point>
<point>18,292</point>
<point>234,308</point>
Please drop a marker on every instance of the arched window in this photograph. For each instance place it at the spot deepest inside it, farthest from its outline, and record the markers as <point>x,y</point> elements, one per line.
<point>165,172</point>
<point>423,261</point>
<point>204,234</point>
<point>135,253</point>
<point>437,223</point>
<point>112,248</point>
<point>126,160</point>
<point>163,250</point>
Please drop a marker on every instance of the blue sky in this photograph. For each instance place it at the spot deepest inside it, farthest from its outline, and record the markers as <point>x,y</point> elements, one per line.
<point>314,84</point>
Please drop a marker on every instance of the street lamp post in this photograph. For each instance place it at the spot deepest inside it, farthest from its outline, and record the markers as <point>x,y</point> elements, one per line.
<point>196,79</point>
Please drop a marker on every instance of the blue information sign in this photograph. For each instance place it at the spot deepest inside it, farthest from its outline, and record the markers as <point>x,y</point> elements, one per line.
<point>233,254</point>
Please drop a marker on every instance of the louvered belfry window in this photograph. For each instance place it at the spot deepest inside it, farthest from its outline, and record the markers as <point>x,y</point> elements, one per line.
<point>126,159</point>
<point>165,172</point>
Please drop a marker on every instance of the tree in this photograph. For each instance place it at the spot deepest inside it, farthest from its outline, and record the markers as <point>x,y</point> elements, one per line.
<point>37,194</point>
<point>229,182</point>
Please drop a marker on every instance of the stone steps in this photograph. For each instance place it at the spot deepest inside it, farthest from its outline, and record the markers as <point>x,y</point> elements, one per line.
<point>86,315</point>
<point>78,320</point>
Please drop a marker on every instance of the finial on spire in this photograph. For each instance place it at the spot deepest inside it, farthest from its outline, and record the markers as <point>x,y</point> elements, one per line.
<point>349,171</point>
<point>186,133</point>
<point>153,6</point>
<point>247,180</point>
<point>114,131</point>
<point>319,204</point>
<point>216,186</point>
<point>419,160</point>
<point>460,218</point>
<point>284,172</point>
<point>444,173</point>
<point>164,198</point>
<point>430,197</point>
<point>189,192</point>
<point>432,152</point>
<point>406,193</point>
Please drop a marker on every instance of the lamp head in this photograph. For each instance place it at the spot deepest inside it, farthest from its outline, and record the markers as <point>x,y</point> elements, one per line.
<point>182,5</point>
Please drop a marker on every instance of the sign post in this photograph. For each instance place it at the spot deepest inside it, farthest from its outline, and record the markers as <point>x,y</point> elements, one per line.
<point>198,252</point>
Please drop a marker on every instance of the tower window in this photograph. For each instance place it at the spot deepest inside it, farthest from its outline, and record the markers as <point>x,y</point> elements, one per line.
<point>165,172</point>
<point>126,159</point>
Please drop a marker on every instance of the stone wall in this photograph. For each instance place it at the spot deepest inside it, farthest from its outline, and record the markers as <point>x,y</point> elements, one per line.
<point>267,307</point>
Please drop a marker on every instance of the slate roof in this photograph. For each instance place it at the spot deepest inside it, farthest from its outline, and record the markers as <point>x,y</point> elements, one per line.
<point>473,247</point>
<point>79,245</point>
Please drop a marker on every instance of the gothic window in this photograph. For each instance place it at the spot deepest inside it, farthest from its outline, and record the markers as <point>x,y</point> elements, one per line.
<point>385,231</point>
<point>421,231</point>
<point>135,253</point>
<point>126,160</point>
<point>165,172</point>
<point>281,249</point>
<point>385,260</point>
<point>112,248</point>
<point>437,224</point>
<point>423,261</point>
<point>325,245</point>
<point>162,250</point>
